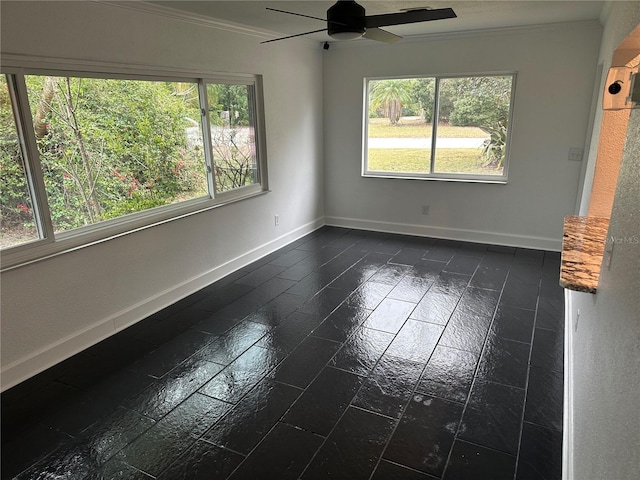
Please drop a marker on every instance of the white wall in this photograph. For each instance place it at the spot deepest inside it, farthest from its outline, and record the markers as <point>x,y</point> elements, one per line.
<point>54,308</point>
<point>556,68</point>
<point>604,365</point>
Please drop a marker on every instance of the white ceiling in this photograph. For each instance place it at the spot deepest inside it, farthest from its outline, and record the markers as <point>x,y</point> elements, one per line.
<point>472,15</point>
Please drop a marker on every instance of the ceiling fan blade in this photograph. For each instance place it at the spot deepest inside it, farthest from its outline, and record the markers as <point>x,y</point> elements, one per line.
<point>297,14</point>
<point>293,36</point>
<point>412,16</point>
<point>381,35</point>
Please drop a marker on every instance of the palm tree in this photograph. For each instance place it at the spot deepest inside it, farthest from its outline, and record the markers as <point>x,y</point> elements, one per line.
<point>390,95</point>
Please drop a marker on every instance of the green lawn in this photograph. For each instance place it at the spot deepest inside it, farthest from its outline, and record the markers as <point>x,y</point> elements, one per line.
<point>381,128</point>
<point>415,160</point>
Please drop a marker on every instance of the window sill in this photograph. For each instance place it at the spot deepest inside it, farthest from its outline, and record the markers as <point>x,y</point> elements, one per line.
<point>36,251</point>
<point>461,179</point>
<point>583,245</point>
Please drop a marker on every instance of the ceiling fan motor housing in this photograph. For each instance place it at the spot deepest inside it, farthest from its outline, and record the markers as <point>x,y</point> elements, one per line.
<point>346,19</point>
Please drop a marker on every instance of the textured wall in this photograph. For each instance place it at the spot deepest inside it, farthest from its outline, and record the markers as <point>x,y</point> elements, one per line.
<point>604,329</point>
<point>606,342</point>
<point>614,128</point>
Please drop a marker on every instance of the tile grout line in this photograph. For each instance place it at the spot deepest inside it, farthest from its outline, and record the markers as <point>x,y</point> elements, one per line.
<point>271,371</point>
<point>358,391</point>
<point>474,378</point>
<point>279,421</point>
<point>526,392</point>
<point>415,387</point>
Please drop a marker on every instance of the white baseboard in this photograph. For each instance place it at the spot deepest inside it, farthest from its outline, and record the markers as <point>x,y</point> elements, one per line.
<point>38,361</point>
<point>476,236</point>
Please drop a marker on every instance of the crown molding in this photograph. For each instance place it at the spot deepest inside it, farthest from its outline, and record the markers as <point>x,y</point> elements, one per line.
<point>430,37</point>
<point>192,18</point>
<point>10,60</point>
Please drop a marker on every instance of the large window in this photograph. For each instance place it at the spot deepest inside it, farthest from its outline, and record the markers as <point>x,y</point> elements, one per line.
<point>451,128</point>
<point>87,156</point>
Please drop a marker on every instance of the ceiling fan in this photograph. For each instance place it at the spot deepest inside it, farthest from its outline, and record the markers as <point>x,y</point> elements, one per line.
<point>347,20</point>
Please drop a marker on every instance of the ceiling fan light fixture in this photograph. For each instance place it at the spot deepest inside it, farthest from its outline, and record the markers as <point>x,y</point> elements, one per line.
<point>346,35</point>
<point>345,20</point>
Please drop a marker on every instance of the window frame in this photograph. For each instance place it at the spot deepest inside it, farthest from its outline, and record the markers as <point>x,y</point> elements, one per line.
<point>438,176</point>
<point>51,244</point>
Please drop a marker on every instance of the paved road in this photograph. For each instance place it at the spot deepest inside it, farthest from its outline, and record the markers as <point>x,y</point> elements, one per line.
<point>425,142</point>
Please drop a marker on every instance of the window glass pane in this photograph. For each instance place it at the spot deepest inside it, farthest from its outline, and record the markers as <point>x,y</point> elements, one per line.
<point>473,114</point>
<point>231,114</point>
<point>17,217</point>
<point>110,147</point>
<point>399,125</point>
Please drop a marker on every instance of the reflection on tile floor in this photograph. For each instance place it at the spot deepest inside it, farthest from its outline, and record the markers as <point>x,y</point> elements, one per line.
<point>346,354</point>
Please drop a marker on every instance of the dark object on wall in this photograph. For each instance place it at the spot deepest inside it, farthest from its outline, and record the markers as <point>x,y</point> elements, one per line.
<point>622,89</point>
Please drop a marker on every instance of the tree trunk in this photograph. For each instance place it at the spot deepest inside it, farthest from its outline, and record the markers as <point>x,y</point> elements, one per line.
<point>90,196</point>
<point>44,107</point>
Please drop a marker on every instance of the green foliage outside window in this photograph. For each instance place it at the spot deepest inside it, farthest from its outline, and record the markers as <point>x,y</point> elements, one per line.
<point>111,147</point>
<point>482,102</point>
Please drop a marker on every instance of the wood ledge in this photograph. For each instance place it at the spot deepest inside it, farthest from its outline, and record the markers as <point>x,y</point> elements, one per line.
<point>583,245</point>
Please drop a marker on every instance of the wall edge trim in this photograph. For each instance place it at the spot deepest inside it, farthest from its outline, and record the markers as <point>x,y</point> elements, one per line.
<point>567,417</point>
<point>476,236</point>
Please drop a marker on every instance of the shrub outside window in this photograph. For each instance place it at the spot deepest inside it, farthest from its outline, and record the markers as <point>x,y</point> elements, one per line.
<point>446,128</point>
<point>109,147</point>
<point>85,156</point>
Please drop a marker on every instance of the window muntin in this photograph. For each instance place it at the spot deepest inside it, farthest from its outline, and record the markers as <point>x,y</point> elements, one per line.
<point>110,153</point>
<point>438,127</point>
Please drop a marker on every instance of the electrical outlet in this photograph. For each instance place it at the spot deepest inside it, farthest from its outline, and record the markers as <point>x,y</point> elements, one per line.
<point>425,209</point>
<point>276,220</point>
<point>575,154</point>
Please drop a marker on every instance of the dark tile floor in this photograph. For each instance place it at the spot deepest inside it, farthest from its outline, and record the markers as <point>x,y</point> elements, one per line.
<point>347,354</point>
